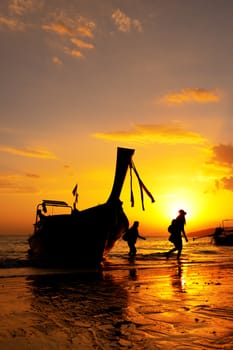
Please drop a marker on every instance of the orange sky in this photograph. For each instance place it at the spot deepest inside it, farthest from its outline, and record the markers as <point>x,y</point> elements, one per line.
<point>81,78</point>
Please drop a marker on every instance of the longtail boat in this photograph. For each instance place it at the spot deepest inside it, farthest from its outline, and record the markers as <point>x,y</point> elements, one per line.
<point>83,238</point>
<point>223,235</point>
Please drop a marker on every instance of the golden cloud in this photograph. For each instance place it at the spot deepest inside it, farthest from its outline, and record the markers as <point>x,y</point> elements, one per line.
<point>12,24</point>
<point>124,23</point>
<point>57,60</point>
<point>73,52</point>
<point>85,26</point>
<point>64,25</point>
<point>16,9</point>
<point>187,95</point>
<point>148,134</point>
<point>58,28</point>
<point>28,153</point>
<point>137,25</point>
<point>82,44</point>
<point>20,7</point>
<point>15,183</point>
<point>74,29</point>
<point>85,31</point>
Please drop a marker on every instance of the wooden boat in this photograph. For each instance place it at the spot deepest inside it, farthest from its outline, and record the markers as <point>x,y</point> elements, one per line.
<point>223,235</point>
<point>82,238</point>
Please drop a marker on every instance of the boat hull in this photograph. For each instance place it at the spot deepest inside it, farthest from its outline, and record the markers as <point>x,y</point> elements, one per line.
<point>224,240</point>
<point>78,239</point>
<point>81,238</point>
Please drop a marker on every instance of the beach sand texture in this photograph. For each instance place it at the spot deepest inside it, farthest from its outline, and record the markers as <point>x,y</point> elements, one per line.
<point>167,306</point>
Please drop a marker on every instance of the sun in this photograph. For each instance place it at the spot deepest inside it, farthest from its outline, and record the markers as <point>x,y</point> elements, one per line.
<point>182,200</point>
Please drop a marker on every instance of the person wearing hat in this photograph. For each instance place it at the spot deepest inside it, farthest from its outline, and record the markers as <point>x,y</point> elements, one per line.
<point>179,230</point>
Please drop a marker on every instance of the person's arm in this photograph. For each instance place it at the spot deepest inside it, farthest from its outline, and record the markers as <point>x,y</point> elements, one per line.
<point>184,234</point>
<point>141,237</point>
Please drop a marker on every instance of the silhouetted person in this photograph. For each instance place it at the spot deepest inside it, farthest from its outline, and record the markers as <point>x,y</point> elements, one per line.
<point>178,231</point>
<point>131,236</point>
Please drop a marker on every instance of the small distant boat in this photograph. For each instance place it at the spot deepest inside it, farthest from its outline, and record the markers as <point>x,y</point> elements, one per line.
<point>223,235</point>
<point>82,238</point>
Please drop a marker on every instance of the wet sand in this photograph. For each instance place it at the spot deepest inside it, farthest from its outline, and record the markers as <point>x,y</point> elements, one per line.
<point>169,306</point>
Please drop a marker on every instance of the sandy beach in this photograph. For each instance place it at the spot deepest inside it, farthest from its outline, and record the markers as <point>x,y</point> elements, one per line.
<point>167,306</point>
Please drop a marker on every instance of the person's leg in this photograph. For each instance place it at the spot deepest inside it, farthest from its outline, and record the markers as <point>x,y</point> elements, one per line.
<point>133,250</point>
<point>170,252</point>
<point>129,245</point>
<point>179,254</point>
<point>179,248</point>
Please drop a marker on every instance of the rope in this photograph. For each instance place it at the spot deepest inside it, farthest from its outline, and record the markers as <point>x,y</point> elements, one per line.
<point>131,187</point>
<point>141,185</point>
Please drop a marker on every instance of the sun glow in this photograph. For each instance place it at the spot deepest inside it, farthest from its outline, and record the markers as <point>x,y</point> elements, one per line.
<point>185,200</point>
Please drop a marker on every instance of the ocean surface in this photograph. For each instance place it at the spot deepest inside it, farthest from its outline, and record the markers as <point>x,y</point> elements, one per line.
<point>144,303</point>
<point>150,253</point>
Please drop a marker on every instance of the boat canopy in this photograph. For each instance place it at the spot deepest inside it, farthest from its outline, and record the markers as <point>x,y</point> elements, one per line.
<point>50,203</point>
<point>54,203</point>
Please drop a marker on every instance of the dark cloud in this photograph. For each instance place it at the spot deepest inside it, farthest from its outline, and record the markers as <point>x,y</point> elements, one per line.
<point>223,154</point>
<point>227,183</point>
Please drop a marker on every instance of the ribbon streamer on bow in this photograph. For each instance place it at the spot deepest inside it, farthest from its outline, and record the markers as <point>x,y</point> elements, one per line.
<point>141,185</point>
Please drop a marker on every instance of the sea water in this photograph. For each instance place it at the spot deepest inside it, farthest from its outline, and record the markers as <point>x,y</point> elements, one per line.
<point>150,253</point>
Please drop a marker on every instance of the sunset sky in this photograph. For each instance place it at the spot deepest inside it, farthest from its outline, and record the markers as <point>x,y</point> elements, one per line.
<point>81,77</point>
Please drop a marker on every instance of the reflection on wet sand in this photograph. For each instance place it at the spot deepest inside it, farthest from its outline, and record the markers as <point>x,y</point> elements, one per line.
<point>86,309</point>
<point>178,279</point>
<point>129,306</point>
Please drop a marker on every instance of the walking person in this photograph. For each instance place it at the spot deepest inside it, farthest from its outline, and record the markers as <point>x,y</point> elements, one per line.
<point>177,230</point>
<point>131,237</point>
